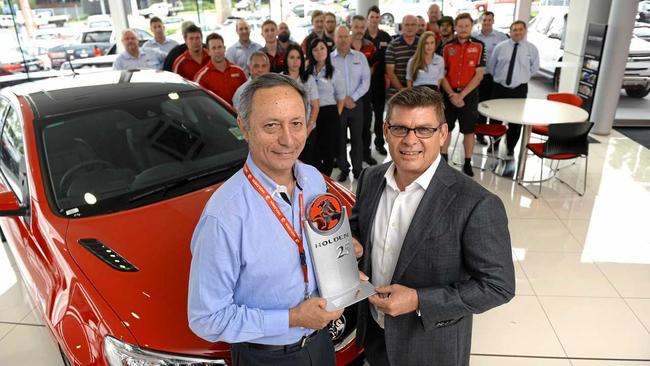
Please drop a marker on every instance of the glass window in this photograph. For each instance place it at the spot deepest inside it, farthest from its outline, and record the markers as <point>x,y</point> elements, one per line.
<point>12,151</point>
<point>121,156</point>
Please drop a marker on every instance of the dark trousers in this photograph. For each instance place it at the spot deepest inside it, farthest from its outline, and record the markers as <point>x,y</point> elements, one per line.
<point>378,96</point>
<point>514,129</point>
<point>367,121</point>
<point>320,352</point>
<point>352,118</point>
<point>324,143</point>
<point>376,344</point>
<point>485,93</point>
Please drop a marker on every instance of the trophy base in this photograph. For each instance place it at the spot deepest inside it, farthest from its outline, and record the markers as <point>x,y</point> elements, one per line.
<point>364,290</point>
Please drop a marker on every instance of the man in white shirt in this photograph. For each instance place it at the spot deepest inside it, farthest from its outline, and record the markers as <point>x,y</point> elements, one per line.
<point>438,243</point>
<point>159,42</point>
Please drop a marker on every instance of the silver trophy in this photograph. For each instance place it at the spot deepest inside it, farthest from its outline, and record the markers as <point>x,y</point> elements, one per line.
<point>330,243</point>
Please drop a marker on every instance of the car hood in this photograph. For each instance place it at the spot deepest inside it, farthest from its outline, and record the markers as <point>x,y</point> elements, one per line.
<point>155,239</point>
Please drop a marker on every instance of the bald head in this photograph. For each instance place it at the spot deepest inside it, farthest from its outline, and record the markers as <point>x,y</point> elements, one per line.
<point>130,41</point>
<point>434,13</point>
<point>342,39</point>
<point>409,26</point>
<point>243,31</point>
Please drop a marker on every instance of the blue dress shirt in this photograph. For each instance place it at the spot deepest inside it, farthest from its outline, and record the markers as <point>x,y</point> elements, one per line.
<point>164,47</point>
<point>490,41</point>
<point>245,273</point>
<point>237,96</point>
<point>329,90</point>
<point>355,70</point>
<point>432,75</point>
<point>147,59</point>
<point>238,54</point>
<point>526,62</point>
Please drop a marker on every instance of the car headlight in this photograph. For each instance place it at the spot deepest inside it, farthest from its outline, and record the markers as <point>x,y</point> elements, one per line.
<point>119,353</point>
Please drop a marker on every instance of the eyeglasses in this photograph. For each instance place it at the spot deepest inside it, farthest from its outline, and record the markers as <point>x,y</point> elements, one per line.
<point>420,132</point>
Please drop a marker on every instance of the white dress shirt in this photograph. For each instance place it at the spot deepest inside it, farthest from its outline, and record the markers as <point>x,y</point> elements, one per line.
<point>394,215</point>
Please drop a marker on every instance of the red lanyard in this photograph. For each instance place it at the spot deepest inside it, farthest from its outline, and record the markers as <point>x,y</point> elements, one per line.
<point>286,224</point>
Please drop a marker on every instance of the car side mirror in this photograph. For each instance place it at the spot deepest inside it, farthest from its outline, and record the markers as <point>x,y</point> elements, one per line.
<point>555,35</point>
<point>9,204</point>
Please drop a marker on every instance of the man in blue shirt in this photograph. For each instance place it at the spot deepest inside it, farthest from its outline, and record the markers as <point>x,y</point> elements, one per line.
<point>239,53</point>
<point>250,283</point>
<point>490,38</point>
<point>512,64</point>
<point>160,41</point>
<point>356,72</point>
<point>134,58</point>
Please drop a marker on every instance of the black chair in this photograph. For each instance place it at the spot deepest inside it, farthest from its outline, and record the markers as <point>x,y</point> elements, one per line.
<point>565,141</point>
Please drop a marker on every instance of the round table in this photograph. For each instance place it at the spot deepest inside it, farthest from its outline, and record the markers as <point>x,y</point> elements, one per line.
<point>530,112</point>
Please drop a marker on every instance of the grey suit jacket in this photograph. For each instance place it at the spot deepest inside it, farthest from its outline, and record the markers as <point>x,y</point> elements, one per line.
<point>456,254</point>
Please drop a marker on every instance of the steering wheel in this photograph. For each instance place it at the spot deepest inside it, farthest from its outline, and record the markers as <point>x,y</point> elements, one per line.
<point>66,180</point>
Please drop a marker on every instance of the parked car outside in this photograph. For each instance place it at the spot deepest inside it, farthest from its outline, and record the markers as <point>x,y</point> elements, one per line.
<point>546,31</point>
<point>13,61</point>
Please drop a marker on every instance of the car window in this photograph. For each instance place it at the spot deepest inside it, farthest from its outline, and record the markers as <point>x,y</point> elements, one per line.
<point>557,26</point>
<point>542,24</point>
<point>97,36</point>
<point>142,35</point>
<point>12,151</point>
<point>122,156</point>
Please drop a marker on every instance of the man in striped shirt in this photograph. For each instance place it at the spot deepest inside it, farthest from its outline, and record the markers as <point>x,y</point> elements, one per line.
<point>399,51</point>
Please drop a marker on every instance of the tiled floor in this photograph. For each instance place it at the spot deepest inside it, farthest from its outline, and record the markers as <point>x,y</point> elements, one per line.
<point>582,270</point>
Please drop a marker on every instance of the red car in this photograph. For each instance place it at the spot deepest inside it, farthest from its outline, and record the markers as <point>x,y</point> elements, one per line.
<point>104,177</point>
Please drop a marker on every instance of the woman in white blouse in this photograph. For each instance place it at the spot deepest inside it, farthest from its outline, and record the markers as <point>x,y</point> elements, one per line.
<point>425,67</point>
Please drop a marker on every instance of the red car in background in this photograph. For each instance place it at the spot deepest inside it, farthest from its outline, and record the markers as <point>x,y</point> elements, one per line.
<point>103,178</point>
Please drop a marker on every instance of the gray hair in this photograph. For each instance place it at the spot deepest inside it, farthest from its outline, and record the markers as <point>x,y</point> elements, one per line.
<point>129,30</point>
<point>418,96</point>
<point>266,81</point>
<point>257,54</point>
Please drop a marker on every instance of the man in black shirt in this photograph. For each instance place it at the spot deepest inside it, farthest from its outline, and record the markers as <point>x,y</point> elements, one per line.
<point>381,40</point>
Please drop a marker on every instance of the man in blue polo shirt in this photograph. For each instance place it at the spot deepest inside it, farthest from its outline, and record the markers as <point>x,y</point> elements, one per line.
<point>239,53</point>
<point>252,281</point>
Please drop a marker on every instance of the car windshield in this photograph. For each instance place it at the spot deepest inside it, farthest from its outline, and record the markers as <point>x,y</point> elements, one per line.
<point>122,156</point>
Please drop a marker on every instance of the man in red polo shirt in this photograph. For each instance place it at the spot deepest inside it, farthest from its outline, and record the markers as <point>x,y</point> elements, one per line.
<point>465,64</point>
<point>219,75</point>
<point>192,60</point>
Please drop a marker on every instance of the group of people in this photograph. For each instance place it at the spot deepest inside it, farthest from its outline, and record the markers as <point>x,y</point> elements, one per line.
<point>350,72</point>
<point>434,242</point>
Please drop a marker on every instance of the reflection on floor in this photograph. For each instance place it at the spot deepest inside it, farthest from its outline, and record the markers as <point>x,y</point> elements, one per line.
<point>582,270</point>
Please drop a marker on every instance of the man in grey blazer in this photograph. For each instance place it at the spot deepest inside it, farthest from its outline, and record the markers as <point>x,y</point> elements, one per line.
<point>436,244</point>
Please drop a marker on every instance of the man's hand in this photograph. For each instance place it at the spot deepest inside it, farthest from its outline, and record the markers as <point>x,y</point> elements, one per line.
<point>363,276</point>
<point>311,314</point>
<point>395,300</point>
<point>358,248</point>
<point>457,100</point>
<point>349,102</point>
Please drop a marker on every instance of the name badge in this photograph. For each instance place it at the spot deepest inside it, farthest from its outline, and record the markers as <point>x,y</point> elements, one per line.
<point>383,44</point>
<point>235,75</point>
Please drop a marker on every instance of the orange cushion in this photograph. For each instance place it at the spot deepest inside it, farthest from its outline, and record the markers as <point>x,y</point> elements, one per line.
<point>541,130</point>
<point>538,149</point>
<point>493,130</point>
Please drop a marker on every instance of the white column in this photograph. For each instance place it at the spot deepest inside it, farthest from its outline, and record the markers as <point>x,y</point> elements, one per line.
<point>612,65</point>
<point>581,13</point>
<point>522,10</point>
<point>120,23</point>
<point>363,5</point>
